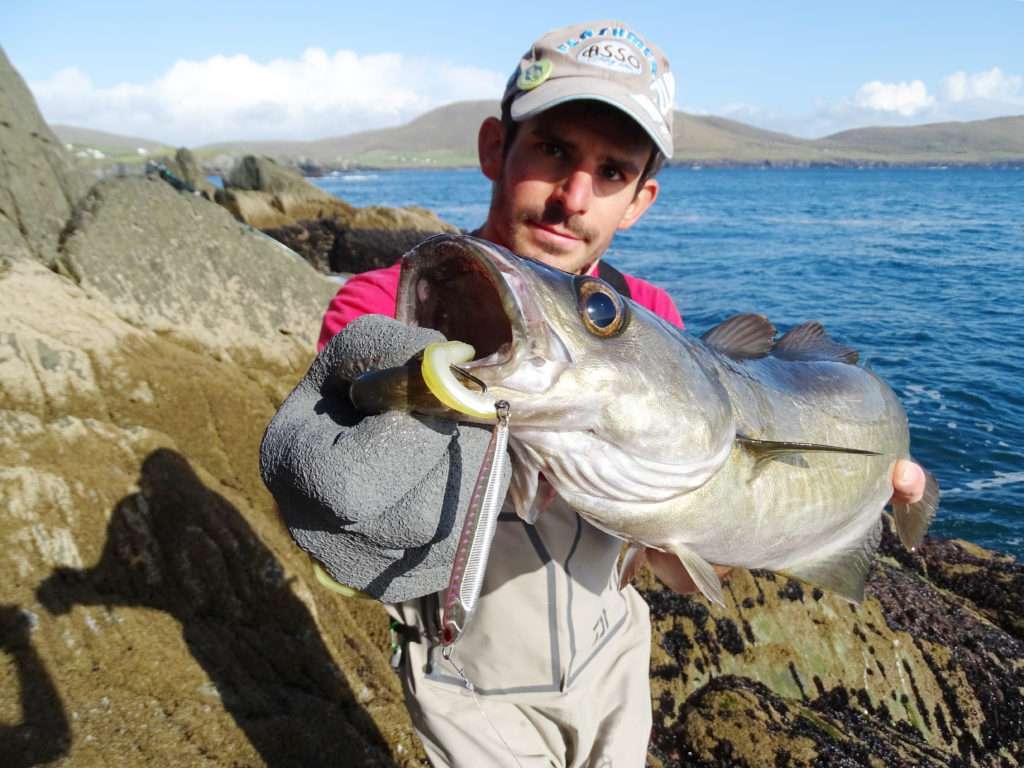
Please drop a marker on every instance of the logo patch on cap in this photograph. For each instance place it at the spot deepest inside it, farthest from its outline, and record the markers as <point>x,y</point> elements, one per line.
<point>534,74</point>
<point>612,54</point>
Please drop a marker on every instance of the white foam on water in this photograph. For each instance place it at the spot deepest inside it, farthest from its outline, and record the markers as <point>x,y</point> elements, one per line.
<point>916,393</point>
<point>1000,479</point>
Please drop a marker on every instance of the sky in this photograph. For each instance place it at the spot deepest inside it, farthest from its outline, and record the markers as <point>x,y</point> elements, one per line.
<point>191,73</point>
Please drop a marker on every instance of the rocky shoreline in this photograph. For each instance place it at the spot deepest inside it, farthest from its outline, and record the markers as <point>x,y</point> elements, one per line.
<point>155,611</point>
<point>313,169</point>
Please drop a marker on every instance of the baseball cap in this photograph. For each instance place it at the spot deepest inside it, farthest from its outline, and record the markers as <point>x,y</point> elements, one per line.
<point>606,61</point>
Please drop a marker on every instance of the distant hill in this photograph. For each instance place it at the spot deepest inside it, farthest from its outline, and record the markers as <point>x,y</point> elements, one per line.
<point>446,137</point>
<point>110,144</point>
<point>716,140</point>
<point>999,139</point>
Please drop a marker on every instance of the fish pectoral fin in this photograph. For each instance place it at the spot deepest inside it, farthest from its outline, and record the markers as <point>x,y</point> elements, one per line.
<point>702,573</point>
<point>636,555</point>
<point>809,342</point>
<point>742,337</point>
<point>912,520</point>
<point>523,488</point>
<point>763,450</point>
<point>842,572</point>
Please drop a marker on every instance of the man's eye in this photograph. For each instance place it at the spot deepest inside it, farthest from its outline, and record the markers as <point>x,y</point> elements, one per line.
<point>611,173</point>
<point>551,150</point>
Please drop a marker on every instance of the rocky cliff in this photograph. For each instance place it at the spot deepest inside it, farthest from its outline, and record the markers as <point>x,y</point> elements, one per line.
<point>153,610</point>
<point>329,233</point>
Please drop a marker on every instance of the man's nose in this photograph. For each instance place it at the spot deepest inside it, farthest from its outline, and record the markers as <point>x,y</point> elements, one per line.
<point>576,192</point>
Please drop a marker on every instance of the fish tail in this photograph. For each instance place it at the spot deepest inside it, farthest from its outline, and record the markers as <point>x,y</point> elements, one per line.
<point>912,520</point>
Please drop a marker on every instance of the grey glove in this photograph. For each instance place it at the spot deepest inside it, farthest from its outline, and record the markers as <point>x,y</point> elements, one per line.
<point>379,501</point>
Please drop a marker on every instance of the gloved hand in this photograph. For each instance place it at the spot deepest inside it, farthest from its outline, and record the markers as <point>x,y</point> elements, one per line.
<point>379,500</point>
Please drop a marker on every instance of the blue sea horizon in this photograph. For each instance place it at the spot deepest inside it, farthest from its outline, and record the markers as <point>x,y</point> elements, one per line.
<point>920,269</point>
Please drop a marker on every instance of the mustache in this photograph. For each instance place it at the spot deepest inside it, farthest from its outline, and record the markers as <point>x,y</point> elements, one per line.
<point>554,214</point>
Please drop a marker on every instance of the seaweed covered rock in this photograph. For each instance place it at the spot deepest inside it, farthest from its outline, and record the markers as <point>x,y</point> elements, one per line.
<point>329,233</point>
<point>737,722</point>
<point>370,238</point>
<point>154,607</point>
<point>915,658</point>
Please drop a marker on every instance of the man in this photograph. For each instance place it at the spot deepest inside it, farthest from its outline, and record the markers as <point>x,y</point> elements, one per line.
<point>556,654</point>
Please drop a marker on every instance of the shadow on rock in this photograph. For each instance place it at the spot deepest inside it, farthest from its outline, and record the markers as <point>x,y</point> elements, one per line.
<point>43,733</point>
<point>179,547</point>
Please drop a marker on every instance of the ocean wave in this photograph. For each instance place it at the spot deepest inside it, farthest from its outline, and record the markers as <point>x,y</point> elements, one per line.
<point>998,480</point>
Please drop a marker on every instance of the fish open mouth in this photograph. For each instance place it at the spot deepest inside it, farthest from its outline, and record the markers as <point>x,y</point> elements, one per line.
<point>449,285</point>
<point>475,292</point>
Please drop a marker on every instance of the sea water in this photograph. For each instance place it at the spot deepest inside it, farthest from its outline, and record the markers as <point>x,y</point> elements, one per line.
<point>921,270</point>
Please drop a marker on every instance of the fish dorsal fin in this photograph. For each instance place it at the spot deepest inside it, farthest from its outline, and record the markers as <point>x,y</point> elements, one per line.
<point>912,520</point>
<point>842,572</point>
<point>810,341</point>
<point>742,337</point>
<point>773,449</point>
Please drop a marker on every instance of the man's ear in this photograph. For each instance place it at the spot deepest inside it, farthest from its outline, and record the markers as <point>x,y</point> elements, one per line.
<point>489,143</point>
<point>644,199</point>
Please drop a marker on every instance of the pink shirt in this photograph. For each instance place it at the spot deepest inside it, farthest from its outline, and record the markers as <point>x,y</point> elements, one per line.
<point>376,293</point>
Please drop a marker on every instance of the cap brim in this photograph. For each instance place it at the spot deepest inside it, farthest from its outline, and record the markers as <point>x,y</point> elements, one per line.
<point>574,88</point>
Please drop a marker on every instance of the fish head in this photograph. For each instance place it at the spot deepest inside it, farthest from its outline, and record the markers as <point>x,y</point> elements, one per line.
<point>587,373</point>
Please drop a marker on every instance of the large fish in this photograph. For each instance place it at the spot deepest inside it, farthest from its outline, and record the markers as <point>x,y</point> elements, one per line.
<point>736,448</point>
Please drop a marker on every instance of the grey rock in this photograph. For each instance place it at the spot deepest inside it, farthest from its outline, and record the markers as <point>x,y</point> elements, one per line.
<point>38,182</point>
<point>185,167</point>
<point>261,174</point>
<point>182,266</point>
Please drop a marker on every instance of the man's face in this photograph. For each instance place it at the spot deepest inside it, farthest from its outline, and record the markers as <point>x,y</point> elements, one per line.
<point>567,183</point>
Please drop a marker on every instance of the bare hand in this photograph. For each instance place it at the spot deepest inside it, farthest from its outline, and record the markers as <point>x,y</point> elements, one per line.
<point>907,482</point>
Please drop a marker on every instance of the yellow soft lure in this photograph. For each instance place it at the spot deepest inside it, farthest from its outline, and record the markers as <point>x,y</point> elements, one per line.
<point>437,374</point>
<point>335,586</point>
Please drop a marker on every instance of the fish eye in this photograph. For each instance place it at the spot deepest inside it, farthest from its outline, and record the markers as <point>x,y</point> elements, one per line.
<point>601,307</point>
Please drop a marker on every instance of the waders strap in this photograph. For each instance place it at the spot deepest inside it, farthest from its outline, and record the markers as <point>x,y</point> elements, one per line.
<point>613,277</point>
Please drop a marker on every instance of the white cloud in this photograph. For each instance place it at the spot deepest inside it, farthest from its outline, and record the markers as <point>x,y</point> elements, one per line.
<point>991,85</point>
<point>906,99</point>
<point>234,97</point>
<point>960,96</point>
